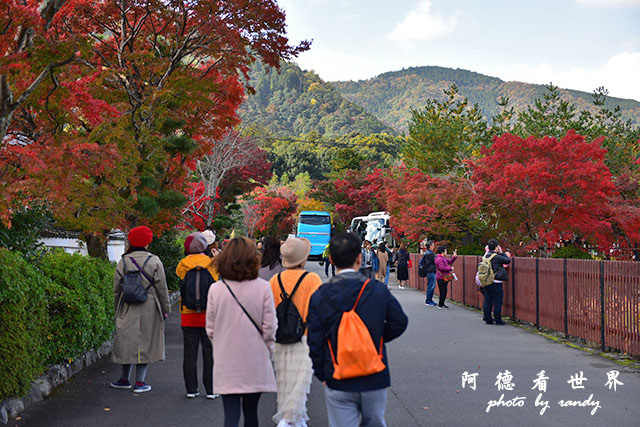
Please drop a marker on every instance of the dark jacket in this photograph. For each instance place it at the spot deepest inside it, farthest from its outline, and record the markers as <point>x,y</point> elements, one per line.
<point>403,258</point>
<point>497,264</point>
<point>378,309</point>
<point>429,261</point>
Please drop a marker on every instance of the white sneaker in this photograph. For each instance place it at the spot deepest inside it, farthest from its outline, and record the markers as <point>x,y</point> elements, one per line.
<point>193,395</point>
<point>212,396</point>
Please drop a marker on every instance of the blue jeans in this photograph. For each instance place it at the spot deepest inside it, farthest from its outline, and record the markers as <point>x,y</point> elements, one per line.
<point>386,277</point>
<point>356,408</point>
<point>493,295</point>
<point>431,286</point>
<point>326,268</point>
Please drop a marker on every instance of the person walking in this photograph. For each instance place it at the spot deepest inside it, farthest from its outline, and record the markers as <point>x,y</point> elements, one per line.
<point>403,265</point>
<point>291,361</point>
<point>494,293</point>
<point>358,401</point>
<point>241,324</point>
<point>383,263</point>
<point>325,259</point>
<point>139,326</point>
<point>444,272</point>
<point>193,321</point>
<point>429,260</point>
<point>212,245</point>
<point>271,262</point>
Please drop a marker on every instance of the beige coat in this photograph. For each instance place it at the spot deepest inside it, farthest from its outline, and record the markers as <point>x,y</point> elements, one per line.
<point>242,358</point>
<point>139,336</point>
<point>383,260</point>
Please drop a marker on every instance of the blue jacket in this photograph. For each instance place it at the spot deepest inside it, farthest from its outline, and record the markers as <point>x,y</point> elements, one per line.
<point>374,260</point>
<point>379,310</point>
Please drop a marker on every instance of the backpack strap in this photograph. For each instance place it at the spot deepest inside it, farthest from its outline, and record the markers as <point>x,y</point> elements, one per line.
<point>360,294</point>
<point>141,269</point>
<point>295,288</point>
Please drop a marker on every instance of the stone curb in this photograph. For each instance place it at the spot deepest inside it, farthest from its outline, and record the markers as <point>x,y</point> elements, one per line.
<point>57,375</point>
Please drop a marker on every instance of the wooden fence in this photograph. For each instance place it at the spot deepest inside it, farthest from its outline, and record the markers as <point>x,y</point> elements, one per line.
<point>595,300</point>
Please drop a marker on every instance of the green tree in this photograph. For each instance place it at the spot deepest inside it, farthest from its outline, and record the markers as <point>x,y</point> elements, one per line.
<point>443,135</point>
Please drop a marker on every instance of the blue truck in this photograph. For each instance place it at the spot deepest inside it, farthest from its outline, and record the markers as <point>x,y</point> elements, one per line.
<point>316,227</point>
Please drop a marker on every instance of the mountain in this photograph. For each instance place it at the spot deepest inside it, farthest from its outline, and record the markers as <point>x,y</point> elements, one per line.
<point>293,102</point>
<point>390,96</point>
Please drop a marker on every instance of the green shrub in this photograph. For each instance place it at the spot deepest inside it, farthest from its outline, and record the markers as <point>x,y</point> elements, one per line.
<point>80,303</point>
<point>170,249</point>
<point>24,319</point>
<point>571,252</point>
<point>471,250</point>
<point>24,233</point>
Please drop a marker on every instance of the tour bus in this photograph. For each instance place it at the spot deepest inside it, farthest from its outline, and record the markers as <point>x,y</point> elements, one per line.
<point>374,228</point>
<point>315,226</point>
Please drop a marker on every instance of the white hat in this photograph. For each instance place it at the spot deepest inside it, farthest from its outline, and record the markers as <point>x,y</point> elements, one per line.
<point>209,236</point>
<point>295,252</point>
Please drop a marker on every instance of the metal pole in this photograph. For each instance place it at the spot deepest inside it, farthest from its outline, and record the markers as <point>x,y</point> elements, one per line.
<point>538,293</point>
<point>513,287</point>
<point>566,307</point>
<point>602,304</point>
<point>464,280</point>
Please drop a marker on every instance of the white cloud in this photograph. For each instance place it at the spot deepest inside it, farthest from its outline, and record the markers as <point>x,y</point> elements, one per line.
<point>422,24</point>
<point>619,75</point>
<point>332,65</point>
<point>606,3</point>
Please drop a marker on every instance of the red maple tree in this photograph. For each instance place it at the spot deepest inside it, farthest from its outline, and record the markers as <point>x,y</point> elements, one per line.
<point>541,190</point>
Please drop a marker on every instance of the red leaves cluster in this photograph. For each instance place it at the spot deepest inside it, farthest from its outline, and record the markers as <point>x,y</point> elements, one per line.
<point>275,212</point>
<point>544,189</point>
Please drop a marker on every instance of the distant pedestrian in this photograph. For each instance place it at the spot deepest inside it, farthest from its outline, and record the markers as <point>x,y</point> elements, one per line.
<point>494,293</point>
<point>429,260</point>
<point>241,323</point>
<point>325,259</point>
<point>271,262</point>
<point>383,263</point>
<point>193,320</point>
<point>139,326</point>
<point>403,265</point>
<point>369,260</point>
<point>444,272</point>
<point>360,400</point>
<point>291,361</point>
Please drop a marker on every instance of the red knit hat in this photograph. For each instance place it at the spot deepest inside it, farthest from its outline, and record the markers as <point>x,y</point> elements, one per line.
<point>140,237</point>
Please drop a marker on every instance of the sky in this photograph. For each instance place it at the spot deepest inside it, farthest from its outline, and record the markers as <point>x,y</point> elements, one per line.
<point>575,44</point>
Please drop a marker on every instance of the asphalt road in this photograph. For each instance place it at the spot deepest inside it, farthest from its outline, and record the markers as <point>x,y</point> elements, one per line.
<point>426,363</point>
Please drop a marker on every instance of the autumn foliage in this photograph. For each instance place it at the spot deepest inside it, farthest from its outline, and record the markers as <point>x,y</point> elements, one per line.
<point>545,189</point>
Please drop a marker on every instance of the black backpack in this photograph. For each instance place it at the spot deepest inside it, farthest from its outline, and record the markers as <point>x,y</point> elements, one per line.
<point>290,325</point>
<point>422,267</point>
<point>133,292</point>
<point>194,288</point>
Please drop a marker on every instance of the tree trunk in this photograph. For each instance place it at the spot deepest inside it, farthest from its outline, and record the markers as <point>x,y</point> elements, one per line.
<point>97,245</point>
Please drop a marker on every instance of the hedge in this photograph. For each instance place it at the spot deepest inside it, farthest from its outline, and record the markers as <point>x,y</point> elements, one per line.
<point>51,312</point>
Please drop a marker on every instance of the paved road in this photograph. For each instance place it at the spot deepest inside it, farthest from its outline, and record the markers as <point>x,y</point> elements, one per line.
<point>427,363</point>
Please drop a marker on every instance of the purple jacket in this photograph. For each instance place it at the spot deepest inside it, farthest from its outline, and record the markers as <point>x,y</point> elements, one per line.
<point>443,265</point>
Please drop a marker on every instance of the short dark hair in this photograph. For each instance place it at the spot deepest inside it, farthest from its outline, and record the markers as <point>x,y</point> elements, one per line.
<point>239,260</point>
<point>492,243</point>
<point>441,249</point>
<point>429,243</point>
<point>344,248</point>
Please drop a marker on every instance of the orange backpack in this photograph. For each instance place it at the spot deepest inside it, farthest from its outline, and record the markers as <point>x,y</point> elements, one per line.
<point>357,354</point>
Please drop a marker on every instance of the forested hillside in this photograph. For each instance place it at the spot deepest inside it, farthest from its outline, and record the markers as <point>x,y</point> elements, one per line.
<point>293,102</point>
<point>390,96</point>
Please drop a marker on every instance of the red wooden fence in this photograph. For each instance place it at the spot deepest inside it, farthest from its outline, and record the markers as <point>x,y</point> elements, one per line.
<point>595,300</point>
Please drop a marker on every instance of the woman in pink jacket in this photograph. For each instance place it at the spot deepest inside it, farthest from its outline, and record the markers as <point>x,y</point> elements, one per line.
<point>444,271</point>
<point>241,323</point>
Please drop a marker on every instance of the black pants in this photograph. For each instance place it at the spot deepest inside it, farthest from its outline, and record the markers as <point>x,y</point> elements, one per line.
<point>326,268</point>
<point>442,290</point>
<point>493,296</point>
<point>231,404</point>
<point>192,337</point>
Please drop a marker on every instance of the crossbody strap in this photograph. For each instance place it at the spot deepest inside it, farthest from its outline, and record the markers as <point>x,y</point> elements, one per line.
<point>360,294</point>
<point>242,307</point>
<point>150,280</point>
<point>295,288</point>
